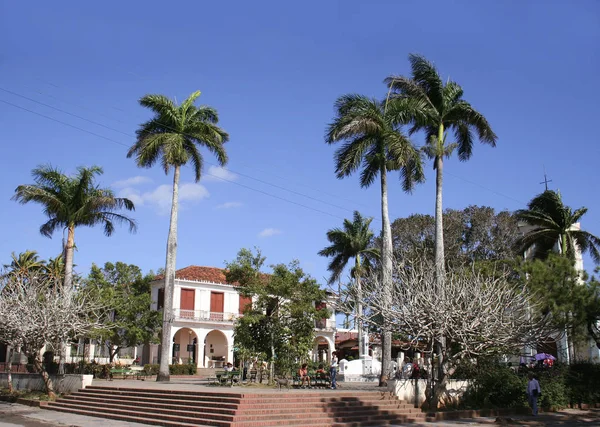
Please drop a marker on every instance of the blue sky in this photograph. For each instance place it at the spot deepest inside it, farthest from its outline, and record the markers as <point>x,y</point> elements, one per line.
<point>273,70</point>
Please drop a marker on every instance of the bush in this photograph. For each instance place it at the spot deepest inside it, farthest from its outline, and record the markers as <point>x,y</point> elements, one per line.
<point>188,369</point>
<point>582,381</point>
<point>495,386</point>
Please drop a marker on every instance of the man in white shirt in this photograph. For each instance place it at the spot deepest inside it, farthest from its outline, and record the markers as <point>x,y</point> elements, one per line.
<point>533,393</point>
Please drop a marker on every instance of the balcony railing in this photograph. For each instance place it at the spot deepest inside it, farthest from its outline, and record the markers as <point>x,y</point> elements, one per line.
<point>204,316</point>
<point>326,324</point>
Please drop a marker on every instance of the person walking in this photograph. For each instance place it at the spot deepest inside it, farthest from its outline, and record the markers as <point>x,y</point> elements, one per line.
<point>333,370</point>
<point>533,393</point>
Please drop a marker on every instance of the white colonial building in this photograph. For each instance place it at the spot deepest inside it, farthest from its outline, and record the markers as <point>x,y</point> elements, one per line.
<point>205,308</point>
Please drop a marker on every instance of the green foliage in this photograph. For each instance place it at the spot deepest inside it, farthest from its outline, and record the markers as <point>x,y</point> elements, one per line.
<point>498,386</point>
<point>280,323</point>
<point>175,134</point>
<point>188,369</point>
<point>582,382</point>
<point>563,292</point>
<point>474,234</point>
<point>354,241</point>
<point>124,289</point>
<point>553,223</point>
<point>72,201</point>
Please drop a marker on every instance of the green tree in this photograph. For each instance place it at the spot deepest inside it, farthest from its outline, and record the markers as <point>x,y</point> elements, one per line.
<point>375,143</point>
<point>54,270</point>
<point>173,138</point>
<point>24,264</point>
<point>424,101</point>
<point>125,291</point>
<point>554,225</point>
<point>567,297</point>
<point>73,201</point>
<point>70,202</point>
<point>473,234</point>
<point>280,322</point>
<point>352,242</point>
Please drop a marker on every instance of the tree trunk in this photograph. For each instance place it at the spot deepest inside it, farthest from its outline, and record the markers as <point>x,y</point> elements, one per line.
<point>359,309</point>
<point>166,344</point>
<point>37,362</point>
<point>440,267</point>
<point>9,369</point>
<point>67,284</point>
<point>386,277</point>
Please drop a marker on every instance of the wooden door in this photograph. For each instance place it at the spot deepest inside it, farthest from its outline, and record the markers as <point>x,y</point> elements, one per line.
<point>217,303</point>
<point>187,303</point>
<point>160,303</point>
<point>245,302</point>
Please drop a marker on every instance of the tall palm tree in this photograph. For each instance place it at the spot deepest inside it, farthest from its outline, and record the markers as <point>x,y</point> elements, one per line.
<point>173,138</point>
<point>375,143</point>
<point>73,201</point>
<point>553,226</point>
<point>424,101</point>
<point>354,241</point>
<point>24,264</point>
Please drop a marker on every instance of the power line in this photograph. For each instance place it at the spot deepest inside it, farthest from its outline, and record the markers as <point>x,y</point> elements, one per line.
<point>168,127</point>
<point>62,123</point>
<point>206,173</point>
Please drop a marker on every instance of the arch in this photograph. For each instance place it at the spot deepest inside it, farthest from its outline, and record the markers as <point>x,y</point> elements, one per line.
<point>185,346</point>
<point>323,347</point>
<point>216,349</point>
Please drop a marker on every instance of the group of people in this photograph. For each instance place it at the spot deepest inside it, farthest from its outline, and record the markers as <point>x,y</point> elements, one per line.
<point>320,372</point>
<point>409,370</point>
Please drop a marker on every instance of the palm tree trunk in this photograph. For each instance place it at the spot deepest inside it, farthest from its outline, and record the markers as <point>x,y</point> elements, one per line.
<point>69,249</point>
<point>11,351</point>
<point>166,344</point>
<point>386,277</point>
<point>359,309</point>
<point>440,268</point>
<point>67,284</point>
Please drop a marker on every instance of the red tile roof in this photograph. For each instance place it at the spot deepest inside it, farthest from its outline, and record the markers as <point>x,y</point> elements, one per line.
<point>199,274</point>
<point>203,274</point>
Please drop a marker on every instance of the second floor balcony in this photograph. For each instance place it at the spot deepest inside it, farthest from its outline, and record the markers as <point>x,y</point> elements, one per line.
<point>204,316</point>
<point>325,324</point>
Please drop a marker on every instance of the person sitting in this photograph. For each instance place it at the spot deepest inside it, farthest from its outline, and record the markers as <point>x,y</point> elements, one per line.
<point>303,374</point>
<point>320,371</point>
<point>228,367</point>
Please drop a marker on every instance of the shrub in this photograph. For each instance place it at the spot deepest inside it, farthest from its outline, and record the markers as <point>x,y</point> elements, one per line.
<point>188,369</point>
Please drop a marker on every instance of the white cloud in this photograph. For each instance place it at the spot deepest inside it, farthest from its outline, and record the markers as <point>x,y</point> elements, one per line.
<point>268,232</point>
<point>162,196</point>
<point>130,182</point>
<point>229,205</point>
<point>219,174</point>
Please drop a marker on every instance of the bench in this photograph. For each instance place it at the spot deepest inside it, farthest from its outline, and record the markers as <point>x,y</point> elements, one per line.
<point>229,378</point>
<point>122,373</point>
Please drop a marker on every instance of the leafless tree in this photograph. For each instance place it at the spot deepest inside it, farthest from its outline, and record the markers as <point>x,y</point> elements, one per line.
<point>478,313</point>
<point>33,313</point>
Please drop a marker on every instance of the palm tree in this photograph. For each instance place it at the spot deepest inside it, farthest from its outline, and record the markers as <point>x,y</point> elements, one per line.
<point>54,269</point>
<point>430,105</point>
<point>354,241</point>
<point>173,137</point>
<point>553,226</point>
<point>73,201</point>
<point>24,264</point>
<point>374,142</point>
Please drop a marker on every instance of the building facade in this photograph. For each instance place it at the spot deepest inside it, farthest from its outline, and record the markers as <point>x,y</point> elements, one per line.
<point>205,308</point>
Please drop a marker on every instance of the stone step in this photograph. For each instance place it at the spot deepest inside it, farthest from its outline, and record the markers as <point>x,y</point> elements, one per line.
<point>93,399</point>
<point>240,409</point>
<point>166,408</point>
<point>134,418</point>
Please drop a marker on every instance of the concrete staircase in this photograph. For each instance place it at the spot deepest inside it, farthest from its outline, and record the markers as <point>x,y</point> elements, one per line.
<point>239,409</point>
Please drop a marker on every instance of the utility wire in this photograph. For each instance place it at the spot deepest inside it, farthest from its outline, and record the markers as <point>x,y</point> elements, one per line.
<point>206,173</point>
<point>168,127</point>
